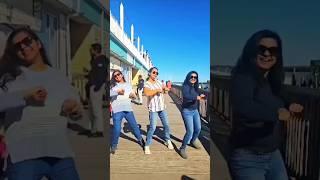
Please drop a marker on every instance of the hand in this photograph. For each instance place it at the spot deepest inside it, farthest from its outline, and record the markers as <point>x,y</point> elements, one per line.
<point>36,96</point>
<point>166,89</point>
<point>159,90</point>
<point>199,98</point>
<point>295,108</point>
<point>132,96</point>
<point>284,114</point>
<point>71,108</point>
<point>120,91</point>
<point>203,96</point>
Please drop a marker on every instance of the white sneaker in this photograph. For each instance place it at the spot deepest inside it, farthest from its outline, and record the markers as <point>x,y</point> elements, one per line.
<point>147,150</point>
<point>169,144</point>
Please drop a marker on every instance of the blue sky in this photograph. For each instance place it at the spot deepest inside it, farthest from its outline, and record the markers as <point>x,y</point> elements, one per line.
<point>176,33</point>
<point>297,22</point>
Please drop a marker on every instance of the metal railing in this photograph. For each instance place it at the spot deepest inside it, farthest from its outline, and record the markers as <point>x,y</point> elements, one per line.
<point>301,150</point>
<point>203,105</point>
<point>79,82</point>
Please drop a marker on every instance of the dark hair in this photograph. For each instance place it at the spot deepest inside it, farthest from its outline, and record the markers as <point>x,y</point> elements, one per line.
<point>10,63</point>
<point>113,81</point>
<point>188,83</point>
<point>96,47</point>
<point>247,62</point>
<point>150,70</point>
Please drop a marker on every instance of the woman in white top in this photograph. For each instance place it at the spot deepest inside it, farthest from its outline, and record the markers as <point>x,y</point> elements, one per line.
<point>37,135</point>
<point>121,108</point>
<point>154,91</point>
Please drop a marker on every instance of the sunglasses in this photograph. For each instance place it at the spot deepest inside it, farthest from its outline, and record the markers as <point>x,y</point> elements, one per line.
<point>116,75</point>
<point>155,72</point>
<point>27,41</point>
<point>274,51</point>
<point>193,77</point>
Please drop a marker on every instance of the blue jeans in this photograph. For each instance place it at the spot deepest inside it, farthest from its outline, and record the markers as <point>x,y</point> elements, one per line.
<point>117,119</point>
<point>247,165</point>
<point>192,123</point>
<point>52,168</point>
<point>153,124</point>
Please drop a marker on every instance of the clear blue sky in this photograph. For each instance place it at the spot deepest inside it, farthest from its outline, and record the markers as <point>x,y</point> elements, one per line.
<point>176,33</point>
<point>297,22</point>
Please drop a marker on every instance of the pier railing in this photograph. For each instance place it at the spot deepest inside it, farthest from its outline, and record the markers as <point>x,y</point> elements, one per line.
<point>79,82</point>
<point>301,150</point>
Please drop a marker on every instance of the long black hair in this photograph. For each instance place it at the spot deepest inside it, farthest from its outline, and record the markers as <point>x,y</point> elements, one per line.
<point>10,63</point>
<point>188,83</point>
<point>113,81</point>
<point>247,62</point>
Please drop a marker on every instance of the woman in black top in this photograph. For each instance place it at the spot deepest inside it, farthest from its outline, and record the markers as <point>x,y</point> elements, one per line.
<point>190,113</point>
<point>257,109</point>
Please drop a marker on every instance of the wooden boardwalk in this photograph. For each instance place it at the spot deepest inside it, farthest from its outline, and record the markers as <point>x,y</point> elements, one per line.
<point>130,162</point>
<point>90,153</point>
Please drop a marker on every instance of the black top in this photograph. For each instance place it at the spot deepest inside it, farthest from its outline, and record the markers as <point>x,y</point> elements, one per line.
<point>256,125</point>
<point>98,73</point>
<point>189,100</point>
<point>140,84</point>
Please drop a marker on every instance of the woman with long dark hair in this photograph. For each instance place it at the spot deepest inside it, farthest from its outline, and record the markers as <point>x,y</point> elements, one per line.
<point>121,108</point>
<point>36,135</point>
<point>190,113</point>
<point>258,109</point>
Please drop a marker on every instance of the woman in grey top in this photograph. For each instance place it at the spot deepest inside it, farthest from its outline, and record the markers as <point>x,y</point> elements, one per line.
<point>121,108</point>
<point>37,135</point>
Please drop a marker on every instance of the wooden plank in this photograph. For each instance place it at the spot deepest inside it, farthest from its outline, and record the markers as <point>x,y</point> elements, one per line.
<point>130,160</point>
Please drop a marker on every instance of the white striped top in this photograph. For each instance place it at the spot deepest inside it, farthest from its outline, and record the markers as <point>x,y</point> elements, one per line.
<point>156,102</point>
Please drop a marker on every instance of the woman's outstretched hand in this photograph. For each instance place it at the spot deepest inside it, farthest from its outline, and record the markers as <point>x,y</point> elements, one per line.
<point>295,108</point>
<point>284,114</point>
<point>71,108</point>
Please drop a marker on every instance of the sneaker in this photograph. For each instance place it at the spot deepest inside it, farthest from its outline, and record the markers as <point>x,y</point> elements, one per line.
<point>196,145</point>
<point>147,150</point>
<point>169,144</point>
<point>183,153</point>
<point>113,150</point>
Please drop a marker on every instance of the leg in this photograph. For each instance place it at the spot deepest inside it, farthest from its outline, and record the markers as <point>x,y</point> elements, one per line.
<point>96,101</point>
<point>164,119</point>
<point>91,114</point>
<point>188,123</point>
<point>140,96</point>
<point>152,128</point>
<point>133,124</point>
<point>34,169</point>
<point>245,165</point>
<point>117,118</point>
<point>64,169</point>
<point>277,169</point>
<point>197,126</point>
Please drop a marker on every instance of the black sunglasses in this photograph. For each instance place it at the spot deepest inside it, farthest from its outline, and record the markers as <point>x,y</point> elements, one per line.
<point>193,77</point>
<point>116,75</point>
<point>155,72</point>
<point>27,41</point>
<point>274,51</point>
